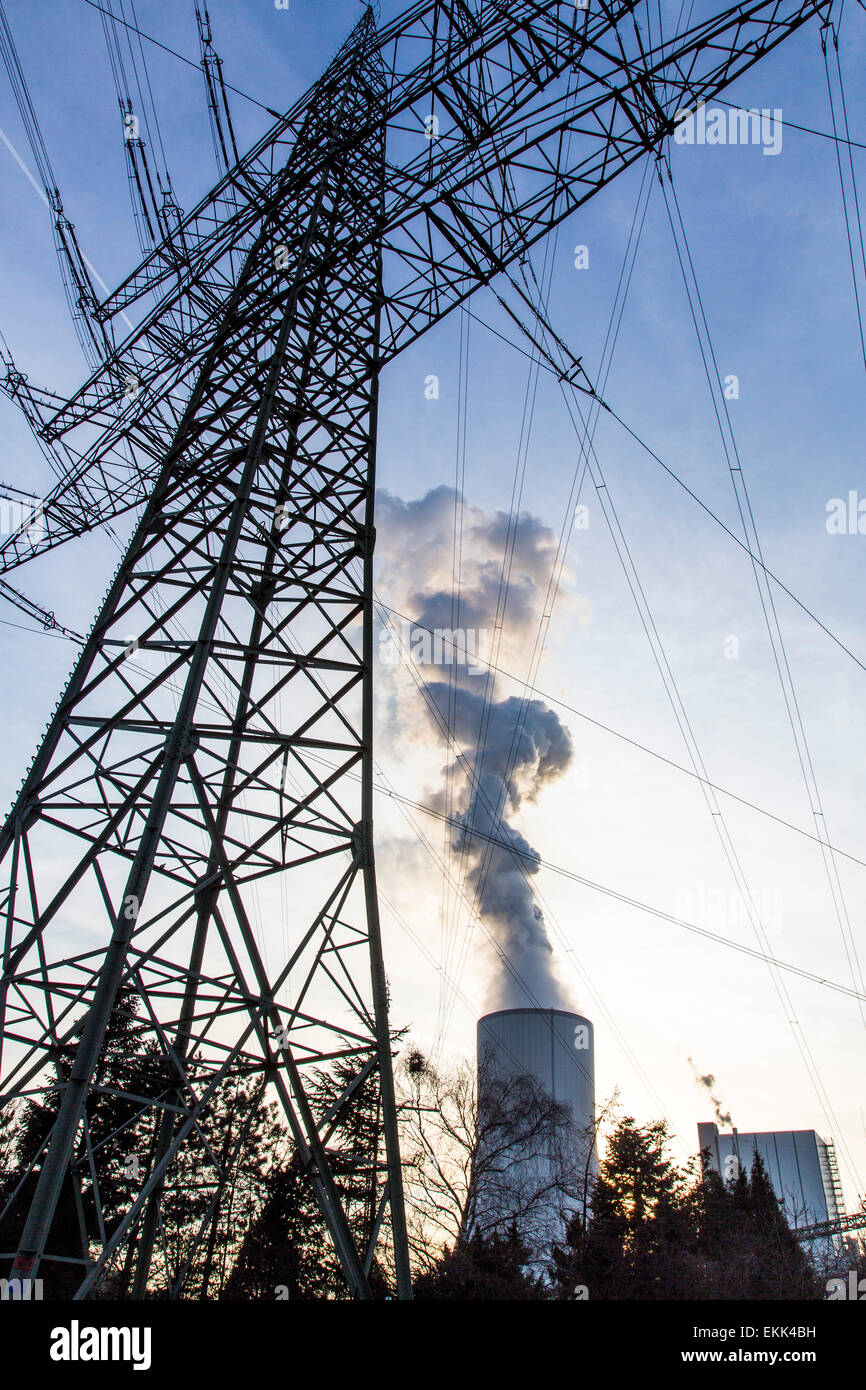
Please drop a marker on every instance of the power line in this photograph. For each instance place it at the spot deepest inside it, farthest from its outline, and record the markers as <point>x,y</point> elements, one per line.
<point>838,141</point>
<point>669,681</point>
<point>604,889</point>
<point>180,56</point>
<point>765,593</point>
<point>804,129</point>
<point>733,536</point>
<point>680,482</point>
<point>632,742</point>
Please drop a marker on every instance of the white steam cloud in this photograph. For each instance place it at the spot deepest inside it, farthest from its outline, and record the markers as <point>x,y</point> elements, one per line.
<point>512,748</point>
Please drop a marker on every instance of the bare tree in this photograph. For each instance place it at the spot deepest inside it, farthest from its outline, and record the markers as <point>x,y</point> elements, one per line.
<point>831,1256</point>
<point>514,1161</point>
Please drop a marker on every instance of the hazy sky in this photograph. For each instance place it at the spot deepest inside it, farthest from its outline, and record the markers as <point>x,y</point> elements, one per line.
<point>769,246</point>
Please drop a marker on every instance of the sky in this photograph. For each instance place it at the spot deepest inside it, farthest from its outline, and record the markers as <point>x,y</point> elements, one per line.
<point>768,242</point>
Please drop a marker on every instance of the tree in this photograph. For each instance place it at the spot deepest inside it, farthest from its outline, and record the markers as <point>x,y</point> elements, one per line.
<point>111,1135</point>
<point>208,1193</point>
<point>493,1267</point>
<point>636,1216</point>
<point>287,1252</point>
<point>779,1267</point>
<point>485,1181</point>
<point>661,1232</point>
<point>214,1191</point>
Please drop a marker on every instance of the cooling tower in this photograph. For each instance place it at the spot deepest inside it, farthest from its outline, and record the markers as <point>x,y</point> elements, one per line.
<point>551,1045</point>
<point>520,1182</point>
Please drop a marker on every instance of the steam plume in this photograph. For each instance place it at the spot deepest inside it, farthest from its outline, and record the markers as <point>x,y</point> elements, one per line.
<point>709,1082</point>
<point>511,749</point>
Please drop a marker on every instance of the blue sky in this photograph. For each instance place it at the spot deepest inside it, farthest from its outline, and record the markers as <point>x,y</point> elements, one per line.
<point>769,246</point>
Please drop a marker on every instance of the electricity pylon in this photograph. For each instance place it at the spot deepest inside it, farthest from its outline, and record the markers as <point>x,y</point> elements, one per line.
<point>197,824</point>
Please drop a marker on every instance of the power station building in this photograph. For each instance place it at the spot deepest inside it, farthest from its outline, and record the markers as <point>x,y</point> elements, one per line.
<point>533,1170</point>
<point>799,1163</point>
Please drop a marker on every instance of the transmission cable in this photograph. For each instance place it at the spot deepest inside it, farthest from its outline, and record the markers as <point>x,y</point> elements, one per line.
<point>688,734</point>
<point>180,56</point>
<point>579,474</point>
<point>551,699</point>
<point>96,344</point>
<point>845,209</point>
<point>765,594</point>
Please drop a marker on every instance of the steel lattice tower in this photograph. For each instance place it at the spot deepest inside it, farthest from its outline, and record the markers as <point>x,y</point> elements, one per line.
<point>209,765</point>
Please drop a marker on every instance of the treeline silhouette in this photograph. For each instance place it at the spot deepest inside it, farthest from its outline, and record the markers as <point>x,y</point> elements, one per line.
<point>238,1218</point>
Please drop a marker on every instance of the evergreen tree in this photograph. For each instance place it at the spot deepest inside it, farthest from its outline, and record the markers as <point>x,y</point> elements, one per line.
<point>213,1192</point>
<point>637,1220</point>
<point>482,1268</point>
<point>779,1267</point>
<point>111,1140</point>
<point>657,1232</point>
<point>287,1251</point>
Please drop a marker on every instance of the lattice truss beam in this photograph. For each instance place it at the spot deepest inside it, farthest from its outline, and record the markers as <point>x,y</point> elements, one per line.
<point>196,825</point>
<point>185,773</point>
<point>534,106</point>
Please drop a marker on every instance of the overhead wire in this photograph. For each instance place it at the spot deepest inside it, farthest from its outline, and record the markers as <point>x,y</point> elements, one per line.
<point>508,966</point>
<point>449,903</point>
<point>476,917</point>
<point>552,699</point>
<point>538,306</point>
<point>142,34</point>
<point>513,518</point>
<point>683,485</point>
<point>513,515</point>
<point>829,30</point>
<point>222,127</point>
<point>765,954</point>
<point>680,482</point>
<point>579,472</point>
<point>733,860</point>
<point>153,202</point>
<point>716,812</point>
<point>406,805</point>
<point>623,898</point>
<point>802,1041</point>
<point>765,593</point>
<point>81,297</point>
<point>813,977</point>
<point>688,734</point>
<point>260,103</point>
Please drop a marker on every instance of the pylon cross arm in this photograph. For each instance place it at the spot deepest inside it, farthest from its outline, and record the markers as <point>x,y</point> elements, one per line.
<point>490,144</point>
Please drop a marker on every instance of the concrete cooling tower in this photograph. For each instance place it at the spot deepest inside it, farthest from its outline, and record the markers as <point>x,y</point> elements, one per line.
<point>555,1049</point>
<point>553,1046</point>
